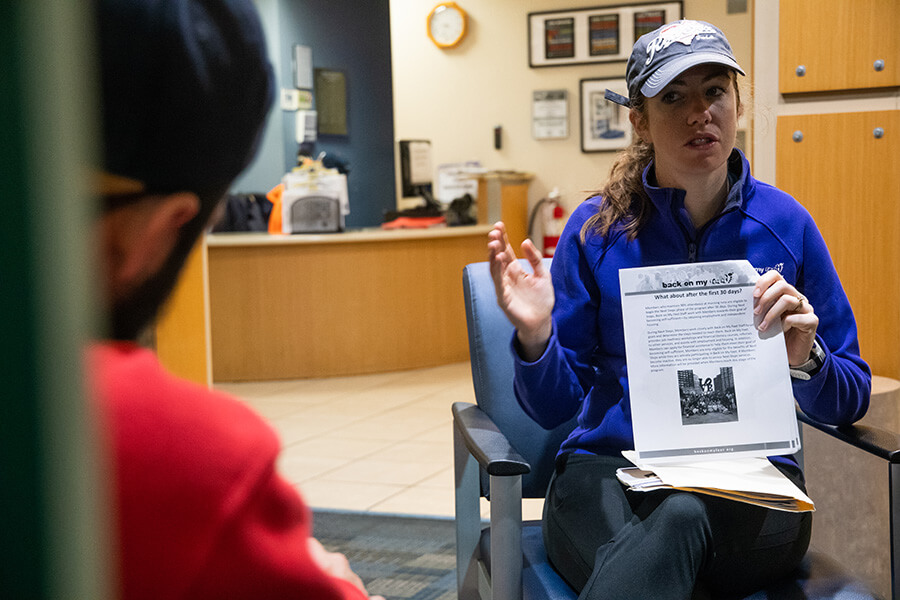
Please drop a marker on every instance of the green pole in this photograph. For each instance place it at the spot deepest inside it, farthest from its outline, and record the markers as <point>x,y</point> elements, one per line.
<point>54,535</point>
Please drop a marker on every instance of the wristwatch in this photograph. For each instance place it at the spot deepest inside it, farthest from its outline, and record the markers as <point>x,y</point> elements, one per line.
<point>811,366</point>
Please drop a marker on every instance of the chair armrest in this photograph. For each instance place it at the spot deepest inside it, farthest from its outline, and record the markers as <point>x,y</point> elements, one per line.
<point>485,442</point>
<point>874,440</point>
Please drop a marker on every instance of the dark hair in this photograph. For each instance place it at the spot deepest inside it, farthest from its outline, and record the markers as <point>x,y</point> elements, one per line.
<point>624,200</point>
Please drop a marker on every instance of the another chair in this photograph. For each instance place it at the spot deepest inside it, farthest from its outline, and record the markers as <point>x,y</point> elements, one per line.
<point>501,454</point>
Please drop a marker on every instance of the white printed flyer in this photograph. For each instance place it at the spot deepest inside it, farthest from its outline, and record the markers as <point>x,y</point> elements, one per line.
<point>704,382</point>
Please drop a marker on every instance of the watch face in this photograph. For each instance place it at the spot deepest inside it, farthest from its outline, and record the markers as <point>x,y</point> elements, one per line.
<point>447,25</point>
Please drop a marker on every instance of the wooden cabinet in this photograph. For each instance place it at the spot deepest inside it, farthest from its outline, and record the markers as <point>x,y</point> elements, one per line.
<point>843,168</point>
<point>837,45</point>
<point>256,307</point>
<point>293,307</point>
<point>849,178</point>
<point>841,160</point>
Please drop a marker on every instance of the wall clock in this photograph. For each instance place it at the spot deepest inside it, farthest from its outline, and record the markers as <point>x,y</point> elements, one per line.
<point>447,24</point>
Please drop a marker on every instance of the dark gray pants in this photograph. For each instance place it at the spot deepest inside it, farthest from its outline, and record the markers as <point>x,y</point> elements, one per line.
<point>609,544</point>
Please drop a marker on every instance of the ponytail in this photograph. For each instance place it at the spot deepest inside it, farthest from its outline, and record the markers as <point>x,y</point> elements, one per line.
<point>624,199</point>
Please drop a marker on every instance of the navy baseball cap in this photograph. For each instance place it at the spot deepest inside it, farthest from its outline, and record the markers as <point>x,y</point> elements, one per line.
<point>660,56</point>
<point>186,87</point>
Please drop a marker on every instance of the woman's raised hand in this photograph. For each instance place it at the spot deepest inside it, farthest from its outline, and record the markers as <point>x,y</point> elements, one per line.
<point>526,298</point>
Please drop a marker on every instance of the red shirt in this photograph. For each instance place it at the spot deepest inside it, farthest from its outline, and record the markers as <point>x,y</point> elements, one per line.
<point>201,511</point>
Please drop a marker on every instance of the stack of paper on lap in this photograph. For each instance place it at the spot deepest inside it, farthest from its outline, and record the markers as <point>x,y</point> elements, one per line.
<point>753,480</point>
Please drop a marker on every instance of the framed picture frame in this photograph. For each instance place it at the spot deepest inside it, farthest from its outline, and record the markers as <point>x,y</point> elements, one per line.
<point>588,35</point>
<point>604,124</point>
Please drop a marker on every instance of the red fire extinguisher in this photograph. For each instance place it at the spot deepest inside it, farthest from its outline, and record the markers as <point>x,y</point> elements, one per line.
<point>553,223</point>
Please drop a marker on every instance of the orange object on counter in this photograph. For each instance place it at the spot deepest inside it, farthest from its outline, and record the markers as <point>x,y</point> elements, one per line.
<point>415,223</point>
<point>274,197</point>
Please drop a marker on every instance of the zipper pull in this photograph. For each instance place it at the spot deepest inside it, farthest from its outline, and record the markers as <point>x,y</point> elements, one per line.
<point>692,252</point>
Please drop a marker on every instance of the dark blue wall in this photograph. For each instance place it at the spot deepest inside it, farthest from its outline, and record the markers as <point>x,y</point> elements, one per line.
<point>354,37</point>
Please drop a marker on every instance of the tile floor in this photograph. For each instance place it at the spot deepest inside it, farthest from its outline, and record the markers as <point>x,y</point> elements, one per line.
<point>379,443</point>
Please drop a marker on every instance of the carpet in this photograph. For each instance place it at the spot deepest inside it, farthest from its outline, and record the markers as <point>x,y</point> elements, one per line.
<point>396,556</point>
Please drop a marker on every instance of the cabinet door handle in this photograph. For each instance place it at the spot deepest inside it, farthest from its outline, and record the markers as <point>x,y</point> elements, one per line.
<point>879,65</point>
<point>798,136</point>
<point>878,132</point>
<point>801,70</point>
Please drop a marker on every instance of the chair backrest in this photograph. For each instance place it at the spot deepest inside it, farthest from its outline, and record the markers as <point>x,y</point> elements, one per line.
<point>490,333</point>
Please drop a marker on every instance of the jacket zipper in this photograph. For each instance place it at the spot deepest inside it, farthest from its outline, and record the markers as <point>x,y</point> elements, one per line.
<point>692,247</point>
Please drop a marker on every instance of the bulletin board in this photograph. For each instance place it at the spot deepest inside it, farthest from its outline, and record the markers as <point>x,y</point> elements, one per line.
<point>331,101</point>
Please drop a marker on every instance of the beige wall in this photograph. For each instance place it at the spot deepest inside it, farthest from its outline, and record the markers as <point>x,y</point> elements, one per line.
<point>456,97</point>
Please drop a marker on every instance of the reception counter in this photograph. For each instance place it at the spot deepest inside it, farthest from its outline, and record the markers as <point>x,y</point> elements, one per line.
<point>300,306</point>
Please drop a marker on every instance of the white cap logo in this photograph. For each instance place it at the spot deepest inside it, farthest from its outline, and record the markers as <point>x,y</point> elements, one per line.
<point>683,32</point>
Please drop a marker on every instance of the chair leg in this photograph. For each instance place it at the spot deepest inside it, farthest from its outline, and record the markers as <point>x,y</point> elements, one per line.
<point>894,484</point>
<point>506,538</point>
<point>468,518</point>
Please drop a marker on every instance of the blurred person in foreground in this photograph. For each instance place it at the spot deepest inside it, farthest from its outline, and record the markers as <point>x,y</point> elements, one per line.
<point>200,510</point>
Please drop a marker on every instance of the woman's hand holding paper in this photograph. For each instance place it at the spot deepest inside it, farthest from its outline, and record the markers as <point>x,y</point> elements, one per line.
<point>774,299</point>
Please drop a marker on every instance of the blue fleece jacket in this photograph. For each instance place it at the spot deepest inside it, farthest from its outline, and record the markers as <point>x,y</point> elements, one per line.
<point>582,372</point>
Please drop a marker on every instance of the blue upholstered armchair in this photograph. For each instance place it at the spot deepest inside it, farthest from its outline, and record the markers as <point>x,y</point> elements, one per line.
<point>501,454</point>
